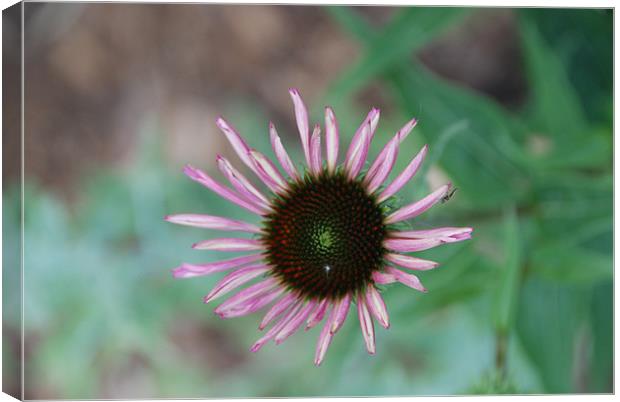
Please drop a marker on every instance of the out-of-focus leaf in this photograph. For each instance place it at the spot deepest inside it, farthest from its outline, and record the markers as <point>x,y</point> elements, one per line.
<point>507,289</point>
<point>547,321</point>
<point>412,28</point>
<point>602,318</point>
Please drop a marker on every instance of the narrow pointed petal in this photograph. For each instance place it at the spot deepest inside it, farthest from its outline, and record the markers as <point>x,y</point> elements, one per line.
<point>234,280</point>
<point>224,192</point>
<point>273,331</point>
<point>383,168</point>
<point>404,176</point>
<point>377,307</point>
<point>315,151</point>
<point>359,152</point>
<point>331,139</point>
<point>410,262</point>
<point>278,308</point>
<point>293,325</point>
<point>325,339</point>
<point>371,120</point>
<point>418,207</point>
<point>247,294</point>
<point>383,278</point>
<point>285,161</point>
<point>411,245</point>
<point>237,142</point>
<point>267,172</point>
<point>317,315</point>
<point>301,115</point>
<point>406,279</point>
<point>212,222</point>
<point>446,234</point>
<point>242,184</point>
<point>341,309</point>
<point>229,244</point>
<point>251,305</point>
<point>398,139</point>
<point>368,328</point>
<point>191,270</point>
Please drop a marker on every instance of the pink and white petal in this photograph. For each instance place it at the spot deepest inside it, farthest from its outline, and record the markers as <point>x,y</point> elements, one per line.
<point>267,172</point>
<point>316,161</point>
<point>406,279</point>
<point>224,192</point>
<point>293,325</point>
<point>331,139</point>
<point>317,315</point>
<point>404,176</point>
<point>411,245</point>
<point>301,115</point>
<point>447,234</point>
<point>383,169</point>
<point>418,207</point>
<point>273,331</point>
<point>235,279</point>
<point>242,184</point>
<point>372,118</point>
<point>281,154</point>
<point>247,295</point>
<point>383,278</point>
<point>191,270</point>
<point>368,328</point>
<point>325,339</point>
<point>341,309</point>
<point>377,307</point>
<point>229,244</point>
<point>278,308</point>
<point>251,305</point>
<point>410,262</point>
<point>237,142</point>
<point>356,160</point>
<point>398,138</point>
<point>212,222</point>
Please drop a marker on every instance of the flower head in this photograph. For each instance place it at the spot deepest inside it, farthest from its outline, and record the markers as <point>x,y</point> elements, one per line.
<point>328,234</point>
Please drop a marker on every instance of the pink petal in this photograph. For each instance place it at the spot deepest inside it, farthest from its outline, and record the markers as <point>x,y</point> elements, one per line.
<point>234,280</point>
<point>212,222</point>
<point>398,138</point>
<point>371,119</point>
<point>191,270</point>
<point>237,142</point>
<point>446,234</point>
<point>418,207</point>
<point>242,184</point>
<point>359,151</point>
<point>281,154</point>
<point>229,244</point>
<point>382,168</point>
<point>277,309</point>
<point>247,295</point>
<point>325,338</point>
<point>331,139</point>
<point>410,262</point>
<point>411,245</point>
<point>315,151</point>
<point>368,328</point>
<point>267,172</point>
<point>293,325</point>
<point>406,279</point>
<point>383,278</point>
<point>404,176</point>
<point>317,315</point>
<point>224,192</point>
<point>301,115</point>
<point>251,305</point>
<point>341,309</point>
<point>376,305</point>
<point>273,331</point>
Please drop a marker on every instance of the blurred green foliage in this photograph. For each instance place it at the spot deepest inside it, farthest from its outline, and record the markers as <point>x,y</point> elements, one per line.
<point>524,307</point>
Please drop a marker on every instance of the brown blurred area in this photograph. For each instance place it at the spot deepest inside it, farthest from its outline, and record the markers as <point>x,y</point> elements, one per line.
<point>93,72</point>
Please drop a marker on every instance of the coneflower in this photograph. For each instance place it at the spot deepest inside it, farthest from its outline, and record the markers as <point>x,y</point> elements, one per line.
<point>328,234</point>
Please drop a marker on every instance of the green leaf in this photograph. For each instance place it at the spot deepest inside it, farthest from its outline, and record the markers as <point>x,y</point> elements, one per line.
<point>602,318</point>
<point>507,289</point>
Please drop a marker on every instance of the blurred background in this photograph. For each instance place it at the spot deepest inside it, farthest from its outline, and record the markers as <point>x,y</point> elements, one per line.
<point>516,106</point>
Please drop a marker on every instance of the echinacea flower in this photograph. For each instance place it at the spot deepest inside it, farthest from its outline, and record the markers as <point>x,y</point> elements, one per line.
<point>328,234</point>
